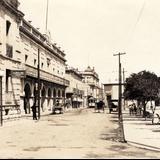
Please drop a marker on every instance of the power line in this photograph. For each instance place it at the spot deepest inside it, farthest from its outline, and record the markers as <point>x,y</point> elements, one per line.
<point>140,15</point>
<point>137,21</point>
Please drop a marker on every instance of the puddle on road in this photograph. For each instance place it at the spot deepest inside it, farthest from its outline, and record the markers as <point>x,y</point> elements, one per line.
<point>65,125</point>
<point>155,130</point>
<point>117,147</point>
<point>8,142</point>
<point>12,146</point>
<point>36,149</point>
<point>98,156</point>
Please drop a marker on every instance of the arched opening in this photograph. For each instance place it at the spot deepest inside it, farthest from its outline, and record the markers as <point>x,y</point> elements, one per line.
<point>54,93</point>
<point>43,93</point>
<point>59,93</point>
<point>63,93</point>
<point>49,95</point>
<point>54,96</point>
<point>27,90</point>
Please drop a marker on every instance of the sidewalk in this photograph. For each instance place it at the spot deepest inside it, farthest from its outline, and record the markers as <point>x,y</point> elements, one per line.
<point>28,118</point>
<point>140,132</point>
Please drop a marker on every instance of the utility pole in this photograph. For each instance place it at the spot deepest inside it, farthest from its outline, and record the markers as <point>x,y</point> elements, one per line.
<point>123,85</point>
<point>39,87</point>
<point>121,129</point>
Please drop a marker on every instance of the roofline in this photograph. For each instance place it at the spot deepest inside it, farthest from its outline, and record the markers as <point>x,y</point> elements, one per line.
<point>28,34</point>
<point>113,84</point>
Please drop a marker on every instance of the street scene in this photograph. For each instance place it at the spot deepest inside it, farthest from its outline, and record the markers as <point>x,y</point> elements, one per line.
<point>71,135</point>
<point>79,79</point>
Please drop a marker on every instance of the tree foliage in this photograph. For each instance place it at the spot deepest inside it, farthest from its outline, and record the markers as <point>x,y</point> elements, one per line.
<point>143,86</point>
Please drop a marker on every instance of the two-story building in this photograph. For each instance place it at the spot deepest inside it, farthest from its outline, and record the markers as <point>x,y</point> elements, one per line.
<point>91,78</point>
<point>78,91</point>
<point>22,49</point>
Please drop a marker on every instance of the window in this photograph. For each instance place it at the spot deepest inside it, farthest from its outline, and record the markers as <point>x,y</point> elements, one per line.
<point>8,25</point>
<point>48,62</point>
<point>9,51</point>
<point>8,76</point>
<point>35,61</point>
<point>26,58</point>
<point>42,64</point>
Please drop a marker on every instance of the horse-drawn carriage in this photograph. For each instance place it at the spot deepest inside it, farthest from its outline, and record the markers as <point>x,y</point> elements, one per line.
<point>58,108</point>
<point>113,106</point>
<point>100,106</point>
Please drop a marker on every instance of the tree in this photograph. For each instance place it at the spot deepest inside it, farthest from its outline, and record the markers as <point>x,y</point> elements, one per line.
<point>143,87</point>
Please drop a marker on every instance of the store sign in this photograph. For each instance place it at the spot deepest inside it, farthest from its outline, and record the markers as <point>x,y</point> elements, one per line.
<point>18,73</point>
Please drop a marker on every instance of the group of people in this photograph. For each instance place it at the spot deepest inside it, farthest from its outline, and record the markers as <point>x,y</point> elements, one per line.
<point>100,105</point>
<point>134,110</point>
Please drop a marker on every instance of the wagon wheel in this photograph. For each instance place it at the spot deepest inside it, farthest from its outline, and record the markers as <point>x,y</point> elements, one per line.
<point>155,119</point>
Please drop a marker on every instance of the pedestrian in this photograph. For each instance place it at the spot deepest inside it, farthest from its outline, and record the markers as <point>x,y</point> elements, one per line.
<point>131,109</point>
<point>140,109</point>
<point>25,105</point>
<point>34,110</point>
<point>134,108</point>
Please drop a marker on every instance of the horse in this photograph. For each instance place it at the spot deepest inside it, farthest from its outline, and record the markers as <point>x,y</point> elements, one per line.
<point>100,106</point>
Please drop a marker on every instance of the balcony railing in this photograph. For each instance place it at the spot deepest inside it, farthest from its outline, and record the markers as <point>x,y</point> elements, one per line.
<point>31,71</point>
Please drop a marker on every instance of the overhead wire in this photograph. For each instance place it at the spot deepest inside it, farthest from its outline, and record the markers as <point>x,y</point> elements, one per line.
<point>137,22</point>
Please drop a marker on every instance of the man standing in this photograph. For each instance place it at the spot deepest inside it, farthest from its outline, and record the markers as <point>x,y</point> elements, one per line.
<point>34,110</point>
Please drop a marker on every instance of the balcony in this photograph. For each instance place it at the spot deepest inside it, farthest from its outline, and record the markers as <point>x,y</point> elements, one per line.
<point>31,71</point>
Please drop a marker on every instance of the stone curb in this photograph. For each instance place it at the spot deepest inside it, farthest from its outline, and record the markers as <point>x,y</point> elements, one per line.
<point>143,146</point>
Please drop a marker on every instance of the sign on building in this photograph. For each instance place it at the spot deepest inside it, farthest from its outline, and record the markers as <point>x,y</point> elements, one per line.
<point>18,73</point>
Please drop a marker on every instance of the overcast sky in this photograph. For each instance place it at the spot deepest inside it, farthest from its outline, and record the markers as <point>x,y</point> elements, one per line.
<point>91,31</point>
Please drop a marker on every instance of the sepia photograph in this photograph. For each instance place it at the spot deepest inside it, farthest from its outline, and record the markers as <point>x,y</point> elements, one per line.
<point>79,79</point>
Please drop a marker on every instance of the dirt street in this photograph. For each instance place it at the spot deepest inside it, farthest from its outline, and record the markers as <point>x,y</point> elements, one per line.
<point>77,134</point>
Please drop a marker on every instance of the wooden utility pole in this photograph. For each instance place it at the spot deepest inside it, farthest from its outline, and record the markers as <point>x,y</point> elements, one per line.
<point>39,87</point>
<point>123,85</point>
<point>121,129</point>
<point>124,75</point>
<point>1,107</point>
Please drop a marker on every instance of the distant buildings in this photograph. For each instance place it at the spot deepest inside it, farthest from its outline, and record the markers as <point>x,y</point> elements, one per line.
<point>83,86</point>
<point>91,78</point>
<point>78,91</point>
<point>112,92</point>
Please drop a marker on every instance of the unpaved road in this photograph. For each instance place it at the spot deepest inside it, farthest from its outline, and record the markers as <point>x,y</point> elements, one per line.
<point>77,134</point>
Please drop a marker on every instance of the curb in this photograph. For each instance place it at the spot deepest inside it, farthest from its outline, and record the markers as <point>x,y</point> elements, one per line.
<point>143,146</point>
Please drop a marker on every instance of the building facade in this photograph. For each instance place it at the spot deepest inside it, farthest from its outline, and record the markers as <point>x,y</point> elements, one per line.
<point>112,93</point>
<point>20,46</point>
<point>78,91</point>
<point>91,78</point>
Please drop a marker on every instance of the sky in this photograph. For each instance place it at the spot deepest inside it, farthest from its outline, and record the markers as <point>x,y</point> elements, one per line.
<point>92,31</point>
